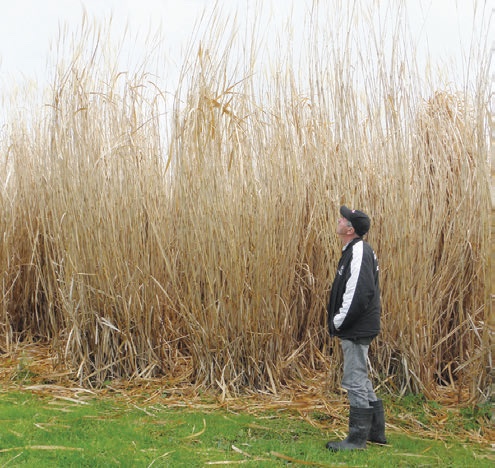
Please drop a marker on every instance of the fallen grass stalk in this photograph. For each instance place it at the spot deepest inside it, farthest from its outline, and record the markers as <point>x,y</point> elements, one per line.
<point>41,447</point>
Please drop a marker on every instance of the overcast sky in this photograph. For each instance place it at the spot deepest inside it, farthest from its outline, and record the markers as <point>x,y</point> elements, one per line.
<point>28,27</point>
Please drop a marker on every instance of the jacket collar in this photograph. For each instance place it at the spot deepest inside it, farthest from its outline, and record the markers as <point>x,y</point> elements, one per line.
<point>351,242</point>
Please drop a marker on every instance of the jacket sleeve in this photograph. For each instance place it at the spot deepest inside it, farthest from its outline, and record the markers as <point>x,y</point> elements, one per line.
<point>358,290</point>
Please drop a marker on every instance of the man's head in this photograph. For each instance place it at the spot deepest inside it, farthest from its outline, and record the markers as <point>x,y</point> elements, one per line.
<point>357,220</point>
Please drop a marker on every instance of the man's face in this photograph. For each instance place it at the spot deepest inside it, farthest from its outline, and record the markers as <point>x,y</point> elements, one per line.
<point>343,227</point>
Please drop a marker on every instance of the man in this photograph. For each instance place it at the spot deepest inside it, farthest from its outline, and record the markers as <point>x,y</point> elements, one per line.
<point>354,317</point>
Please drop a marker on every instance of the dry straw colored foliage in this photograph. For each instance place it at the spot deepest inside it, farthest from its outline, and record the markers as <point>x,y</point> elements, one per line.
<point>204,247</point>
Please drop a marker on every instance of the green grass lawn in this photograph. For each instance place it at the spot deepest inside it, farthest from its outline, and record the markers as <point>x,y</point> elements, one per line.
<point>42,430</point>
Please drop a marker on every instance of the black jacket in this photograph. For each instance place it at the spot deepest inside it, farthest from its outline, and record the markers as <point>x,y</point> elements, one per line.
<point>354,305</point>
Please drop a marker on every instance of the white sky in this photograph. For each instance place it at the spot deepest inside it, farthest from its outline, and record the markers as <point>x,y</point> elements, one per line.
<point>28,27</point>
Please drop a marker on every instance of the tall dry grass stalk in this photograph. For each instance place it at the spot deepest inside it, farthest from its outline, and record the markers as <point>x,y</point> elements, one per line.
<point>213,251</point>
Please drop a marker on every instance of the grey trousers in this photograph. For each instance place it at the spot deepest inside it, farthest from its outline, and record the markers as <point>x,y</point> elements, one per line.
<point>355,379</point>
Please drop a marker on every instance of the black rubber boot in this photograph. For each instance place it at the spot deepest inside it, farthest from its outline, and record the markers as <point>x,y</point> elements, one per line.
<point>359,428</point>
<point>377,431</point>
